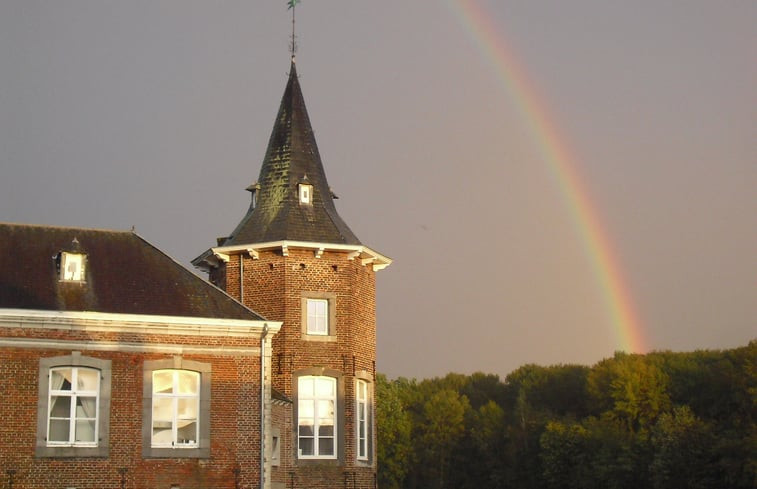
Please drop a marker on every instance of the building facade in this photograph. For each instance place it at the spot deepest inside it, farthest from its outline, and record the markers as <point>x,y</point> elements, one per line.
<point>119,368</point>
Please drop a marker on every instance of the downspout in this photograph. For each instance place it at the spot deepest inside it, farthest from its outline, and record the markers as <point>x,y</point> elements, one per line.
<point>263,434</point>
<point>241,278</point>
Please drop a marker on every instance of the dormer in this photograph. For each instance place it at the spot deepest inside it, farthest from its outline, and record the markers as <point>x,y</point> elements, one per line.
<point>305,191</point>
<point>72,264</point>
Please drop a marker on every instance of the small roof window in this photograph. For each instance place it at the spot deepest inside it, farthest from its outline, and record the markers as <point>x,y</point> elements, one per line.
<point>72,266</point>
<point>306,193</point>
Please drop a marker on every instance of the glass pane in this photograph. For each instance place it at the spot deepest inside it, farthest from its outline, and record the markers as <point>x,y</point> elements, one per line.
<point>326,430</point>
<point>361,390</point>
<point>187,409</point>
<point>85,431</point>
<point>60,406</point>
<point>306,430</point>
<point>86,407</point>
<point>162,434</point>
<point>326,409</point>
<point>60,379</point>
<point>59,430</point>
<point>306,446</point>
<point>87,379</point>
<point>186,432</point>
<point>325,388</point>
<point>326,446</point>
<point>162,409</point>
<point>361,430</point>
<point>305,386</point>
<point>306,410</point>
<point>361,411</point>
<point>162,381</point>
<point>188,382</point>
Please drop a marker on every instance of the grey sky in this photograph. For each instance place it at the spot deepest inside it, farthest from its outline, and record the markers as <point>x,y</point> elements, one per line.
<point>156,113</point>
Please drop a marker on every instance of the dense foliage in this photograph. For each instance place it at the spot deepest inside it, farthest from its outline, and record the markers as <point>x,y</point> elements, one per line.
<point>661,420</point>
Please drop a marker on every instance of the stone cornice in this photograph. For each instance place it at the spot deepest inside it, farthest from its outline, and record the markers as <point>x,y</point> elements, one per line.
<point>134,323</point>
<point>214,256</point>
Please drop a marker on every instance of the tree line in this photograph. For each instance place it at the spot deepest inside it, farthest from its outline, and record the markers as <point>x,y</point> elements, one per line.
<point>660,420</point>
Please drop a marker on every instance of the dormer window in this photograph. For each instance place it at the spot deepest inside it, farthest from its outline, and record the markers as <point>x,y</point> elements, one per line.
<point>306,193</point>
<point>72,266</point>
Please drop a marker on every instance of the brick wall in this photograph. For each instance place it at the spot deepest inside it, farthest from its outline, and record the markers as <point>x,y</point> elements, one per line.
<point>273,286</point>
<point>234,419</point>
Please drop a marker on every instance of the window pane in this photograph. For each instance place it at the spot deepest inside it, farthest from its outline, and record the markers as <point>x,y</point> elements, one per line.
<point>60,379</point>
<point>306,446</point>
<point>326,410</point>
<point>162,409</point>
<point>306,430</point>
<point>306,410</point>
<point>162,382</point>
<point>186,431</point>
<point>188,382</point>
<point>188,409</point>
<point>305,386</point>
<point>87,379</point>
<point>325,388</point>
<point>162,433</point>
<point>85,431</point>
<point>59,430</point>
<point>86,407</point>
<point>326,446</point>
<point>326,430</point>
<point>60,407</point>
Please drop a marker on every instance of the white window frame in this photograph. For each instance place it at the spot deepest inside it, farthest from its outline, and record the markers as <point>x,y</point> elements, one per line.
<point>72,266</point>
<point>317,322</point>
<point>101,446</point>
<point>74,394</point>
<point>306,193</point>
<point>362,418</point>
<point>313,396</point>
<point>175,396</point>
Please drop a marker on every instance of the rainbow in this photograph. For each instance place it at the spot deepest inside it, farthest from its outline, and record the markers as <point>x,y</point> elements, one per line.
<point>556,153</point>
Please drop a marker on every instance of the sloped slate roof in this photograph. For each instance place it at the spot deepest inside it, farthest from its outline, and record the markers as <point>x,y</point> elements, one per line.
<point>291,158</point>
<point>124,274</point>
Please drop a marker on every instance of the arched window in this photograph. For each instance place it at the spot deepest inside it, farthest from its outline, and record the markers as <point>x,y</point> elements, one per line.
<point>316,417</point>
<point>175,408</point>
<point>74,394</point>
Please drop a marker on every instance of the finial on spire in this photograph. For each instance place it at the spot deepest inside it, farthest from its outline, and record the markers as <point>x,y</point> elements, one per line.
<point>291,4</point>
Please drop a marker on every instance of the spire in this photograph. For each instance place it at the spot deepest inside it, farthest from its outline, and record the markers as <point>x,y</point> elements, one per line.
<point>292,200</point>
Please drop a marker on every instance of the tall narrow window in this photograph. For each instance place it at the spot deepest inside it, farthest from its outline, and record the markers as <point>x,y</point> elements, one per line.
<point>361,421</point>
<point>316,417</point>
<point>73,407</point>
<point>318,316</point>
<point>175,408</point>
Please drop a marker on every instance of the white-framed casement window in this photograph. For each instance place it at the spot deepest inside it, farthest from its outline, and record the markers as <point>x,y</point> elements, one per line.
<point>317,316</point>
<point>316,417</point>
<point>175,409</point>
<point>362,416</point>
<point>73,405</point>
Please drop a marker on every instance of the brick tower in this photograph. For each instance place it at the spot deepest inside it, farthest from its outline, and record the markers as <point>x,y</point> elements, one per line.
<point>293,259</point>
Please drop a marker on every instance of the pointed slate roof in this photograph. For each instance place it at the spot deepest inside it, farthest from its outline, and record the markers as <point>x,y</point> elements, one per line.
<point>291,158</point>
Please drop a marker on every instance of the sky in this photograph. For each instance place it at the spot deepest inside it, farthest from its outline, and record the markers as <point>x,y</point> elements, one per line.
<point>555,181</point>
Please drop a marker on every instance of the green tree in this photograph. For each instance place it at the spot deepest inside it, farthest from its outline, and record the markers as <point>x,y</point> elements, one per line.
<point>393,428</point>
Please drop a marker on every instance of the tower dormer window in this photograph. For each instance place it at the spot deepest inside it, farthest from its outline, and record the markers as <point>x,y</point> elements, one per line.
<point>306,193</point>
<point>72,266</point>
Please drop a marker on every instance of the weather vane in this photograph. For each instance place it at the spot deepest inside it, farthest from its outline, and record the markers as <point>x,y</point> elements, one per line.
<point>292,4</point>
